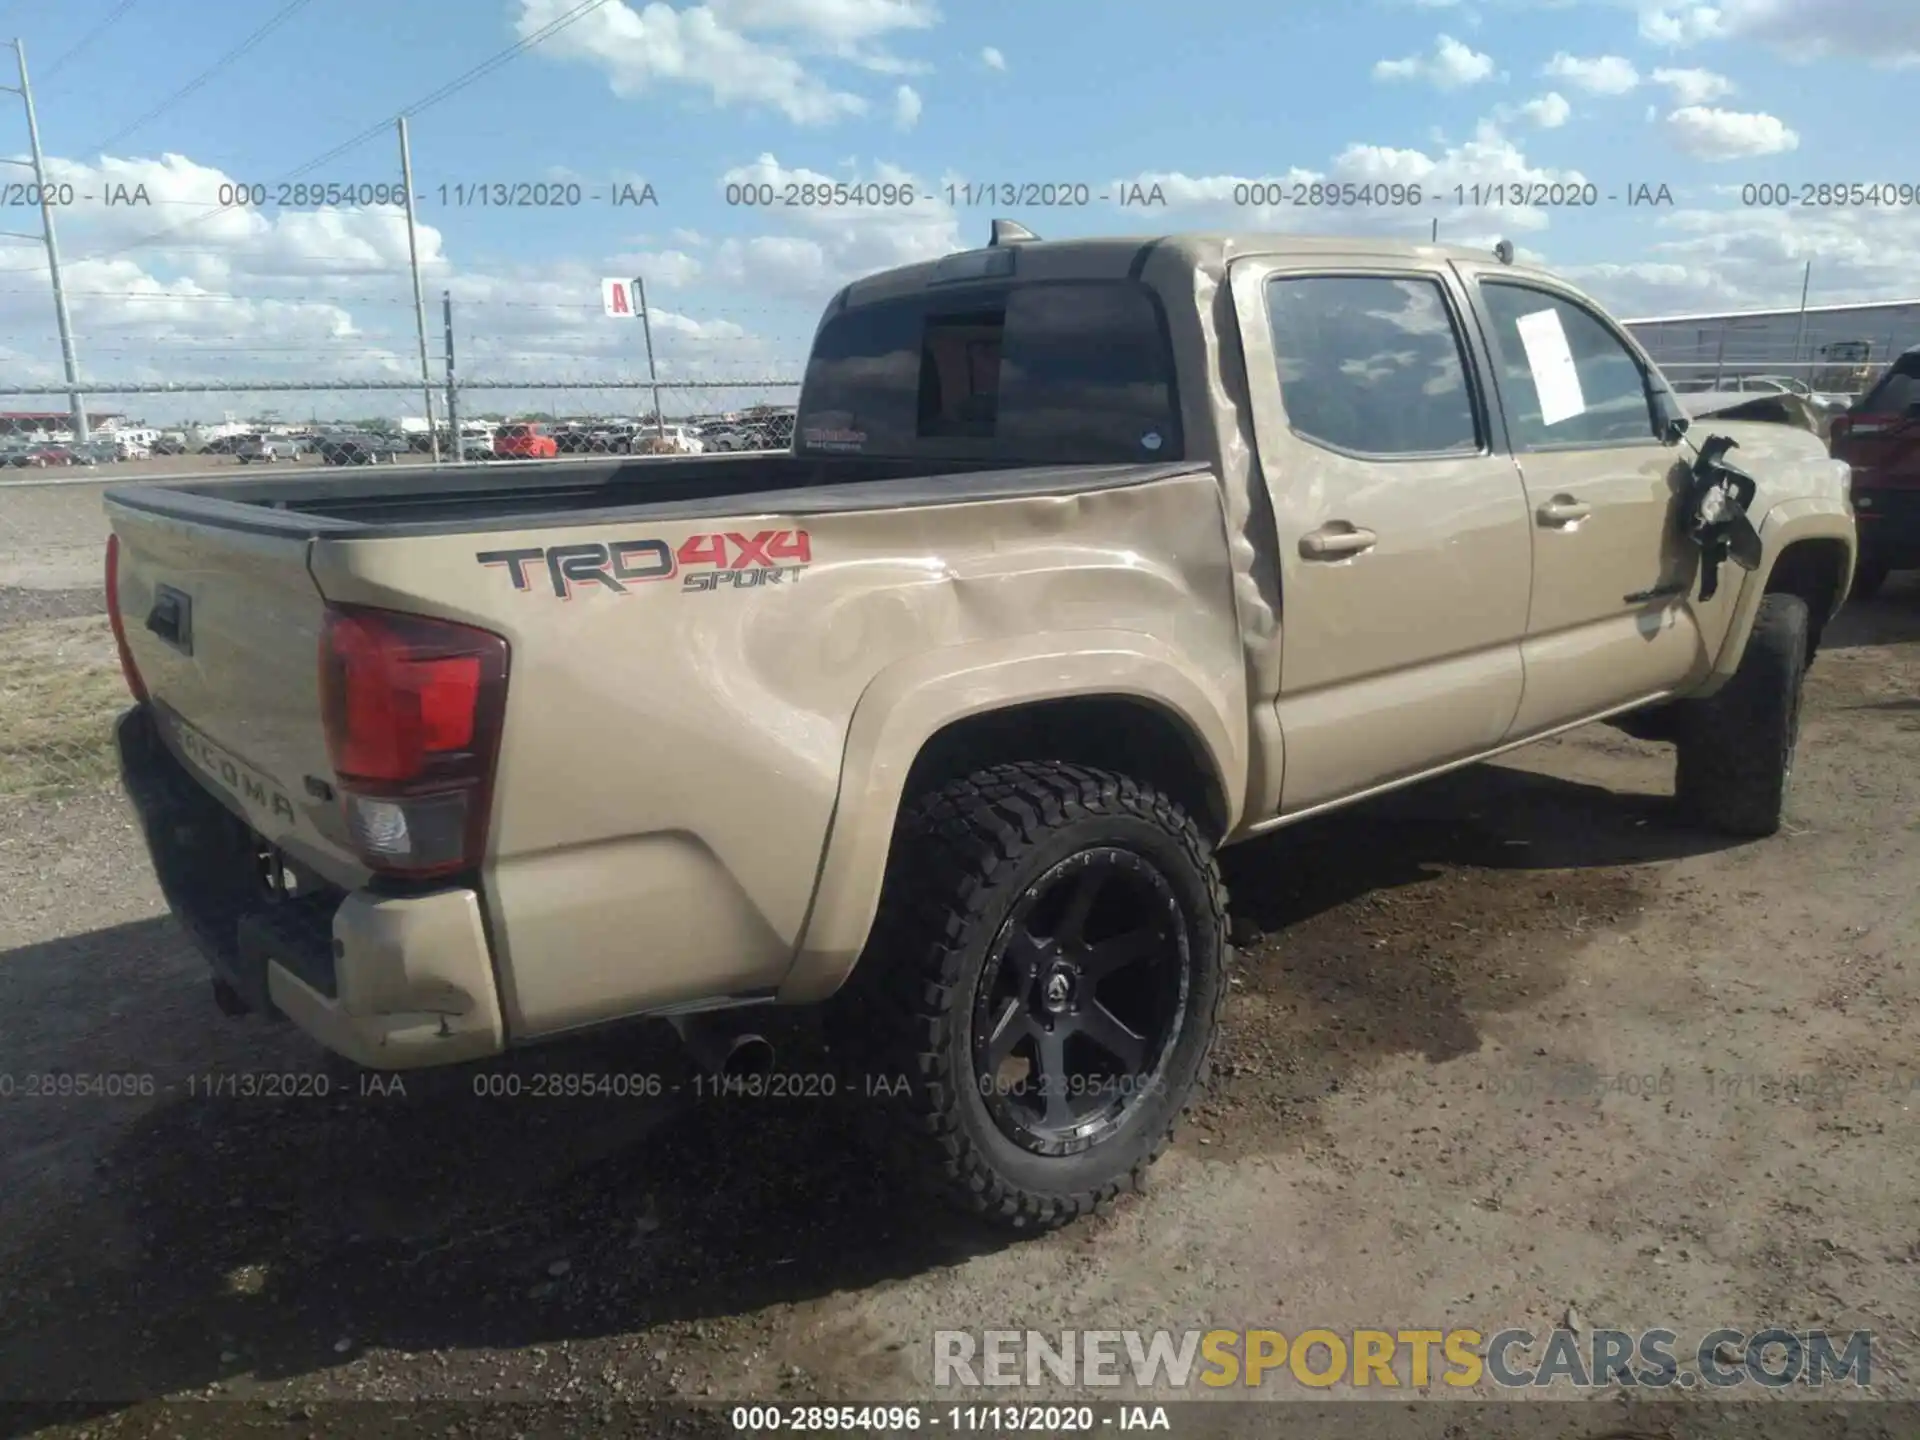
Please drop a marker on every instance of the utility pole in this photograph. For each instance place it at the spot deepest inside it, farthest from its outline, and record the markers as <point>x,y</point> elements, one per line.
<point>419,298</point>
<point>38,164</point>
<point>453,401</point>
<point>1800,335</point>
<point>653,378</point>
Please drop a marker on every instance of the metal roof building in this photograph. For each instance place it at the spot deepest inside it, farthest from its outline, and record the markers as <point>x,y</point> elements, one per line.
<point>1829,346</point>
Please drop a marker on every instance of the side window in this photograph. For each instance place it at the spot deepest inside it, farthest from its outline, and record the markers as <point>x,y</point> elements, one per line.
<point>1566,378</point>
<point>1372,365</point>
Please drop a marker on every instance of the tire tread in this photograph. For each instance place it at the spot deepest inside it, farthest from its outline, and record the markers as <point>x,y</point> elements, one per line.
<point>953,849</point>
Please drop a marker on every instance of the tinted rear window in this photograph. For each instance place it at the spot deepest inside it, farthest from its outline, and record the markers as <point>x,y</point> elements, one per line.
<point>1898,390</point>
<point>1047,372</point>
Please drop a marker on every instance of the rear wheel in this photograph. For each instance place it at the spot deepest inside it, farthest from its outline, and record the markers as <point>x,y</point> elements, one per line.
<point>1041,992</point>
<point>1736,749</point>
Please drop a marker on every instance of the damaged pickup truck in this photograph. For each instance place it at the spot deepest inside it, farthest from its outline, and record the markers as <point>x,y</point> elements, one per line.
<point>1088,558</point>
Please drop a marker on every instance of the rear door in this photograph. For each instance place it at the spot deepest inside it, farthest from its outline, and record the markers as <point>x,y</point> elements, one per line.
<point>1610,618</point>
<point>1402,529</point>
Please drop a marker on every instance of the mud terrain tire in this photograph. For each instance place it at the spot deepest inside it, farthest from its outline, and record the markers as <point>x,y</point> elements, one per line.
<point>975,949</point>
<point>1736,748</point>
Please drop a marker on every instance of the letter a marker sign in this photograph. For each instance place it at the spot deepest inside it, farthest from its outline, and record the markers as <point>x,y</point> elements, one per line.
<point>623,299</point>
<point>617,299</point>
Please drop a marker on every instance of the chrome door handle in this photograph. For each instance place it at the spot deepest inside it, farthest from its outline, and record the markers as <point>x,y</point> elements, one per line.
<point>1564,510</point>
<point>1336,540</point>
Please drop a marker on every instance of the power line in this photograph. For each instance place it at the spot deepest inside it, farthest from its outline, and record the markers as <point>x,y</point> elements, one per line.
<point>87,39</point>
<point>280,17</point>
<point>485,67</point>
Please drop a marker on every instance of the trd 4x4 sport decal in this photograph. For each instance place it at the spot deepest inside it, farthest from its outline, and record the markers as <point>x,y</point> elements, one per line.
<point>703,563</point>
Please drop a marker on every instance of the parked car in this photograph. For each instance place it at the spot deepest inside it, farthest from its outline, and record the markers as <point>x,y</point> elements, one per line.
<point>988,830</point>
<point>40,456</point>
<point>357,447</point>
<point>728,438</point>
<point>266,449</point>
<point>1880,438</point>
<point>168,445</point>
<point>524,442</point>
<point>1829,401</point>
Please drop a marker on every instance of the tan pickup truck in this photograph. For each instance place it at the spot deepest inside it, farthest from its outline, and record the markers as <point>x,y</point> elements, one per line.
<point>1088,558</point>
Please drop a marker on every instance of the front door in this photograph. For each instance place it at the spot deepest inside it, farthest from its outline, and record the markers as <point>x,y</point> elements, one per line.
<point>1612,618</point>
<point>1402,527</point>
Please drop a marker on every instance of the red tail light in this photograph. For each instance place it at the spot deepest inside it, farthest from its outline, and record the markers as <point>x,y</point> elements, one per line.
<point>127,667</point>
<point>413,709</point>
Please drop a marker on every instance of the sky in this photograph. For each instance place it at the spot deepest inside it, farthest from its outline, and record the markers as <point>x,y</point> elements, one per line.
<point>632,139</point>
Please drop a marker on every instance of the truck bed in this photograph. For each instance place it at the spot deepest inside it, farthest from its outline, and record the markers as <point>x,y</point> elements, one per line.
<point>363,504</point>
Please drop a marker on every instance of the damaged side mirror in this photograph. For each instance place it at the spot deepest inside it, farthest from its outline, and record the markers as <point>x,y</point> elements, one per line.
<point>1715,513</point>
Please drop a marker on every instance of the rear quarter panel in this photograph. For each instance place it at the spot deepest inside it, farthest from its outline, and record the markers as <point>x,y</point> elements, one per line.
<point>674,754</point>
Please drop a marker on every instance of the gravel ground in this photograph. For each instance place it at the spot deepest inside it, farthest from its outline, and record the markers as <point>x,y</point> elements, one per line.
<point>1432,1111</point>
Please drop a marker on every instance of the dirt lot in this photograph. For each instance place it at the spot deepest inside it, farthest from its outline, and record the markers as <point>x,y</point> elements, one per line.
<point>1506,1045</point>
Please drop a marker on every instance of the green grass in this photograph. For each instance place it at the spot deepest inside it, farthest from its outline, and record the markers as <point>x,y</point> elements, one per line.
<point>60,691</point>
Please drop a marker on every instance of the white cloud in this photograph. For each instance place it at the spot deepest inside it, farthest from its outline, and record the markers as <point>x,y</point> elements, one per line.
<point>1548,111</point>
<point>1694,87</point>
<point>1679,25</point>
<point>906,107</point>
<point>1452,66</point>
<point>1600,75</point>
<point>832,245</point>
<point>182,290</point>
<point>1886,32</point>
<point>1751,257</point>
<point>660,269</point>
<point>993,59</point>
<point>643,50</point>
<point>1489,160</point>
<point>1710,134</point>
<point>840,20</point>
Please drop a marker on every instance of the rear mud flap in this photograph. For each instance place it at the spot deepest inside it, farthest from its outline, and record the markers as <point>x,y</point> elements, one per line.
<point>1714,513</point>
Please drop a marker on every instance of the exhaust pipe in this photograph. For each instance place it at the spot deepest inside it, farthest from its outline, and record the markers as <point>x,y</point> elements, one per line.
<point>721,1050</point>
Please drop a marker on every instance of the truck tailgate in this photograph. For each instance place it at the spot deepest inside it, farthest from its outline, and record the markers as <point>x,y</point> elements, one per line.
<point>224,628</point>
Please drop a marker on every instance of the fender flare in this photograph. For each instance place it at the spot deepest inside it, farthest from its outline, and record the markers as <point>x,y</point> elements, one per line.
<point>1786,524</point>
<point>909,702</point>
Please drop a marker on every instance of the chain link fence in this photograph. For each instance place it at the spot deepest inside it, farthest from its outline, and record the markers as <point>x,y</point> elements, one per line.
<point>60,679</point>
<point>1829,354</point>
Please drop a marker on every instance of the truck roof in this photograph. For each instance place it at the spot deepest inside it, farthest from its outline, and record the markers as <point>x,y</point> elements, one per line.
<point>1123,256</point>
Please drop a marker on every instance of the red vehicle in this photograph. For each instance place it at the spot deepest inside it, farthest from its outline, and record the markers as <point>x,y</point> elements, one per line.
<point>39,456</point>
<point>1880,438</point>
<point>524,442</point>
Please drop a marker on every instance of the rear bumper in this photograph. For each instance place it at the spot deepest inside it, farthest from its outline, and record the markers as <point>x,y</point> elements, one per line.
<point>390,982</point>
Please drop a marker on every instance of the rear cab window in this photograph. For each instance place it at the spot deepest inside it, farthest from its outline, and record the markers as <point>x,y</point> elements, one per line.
<point>1042,372</point>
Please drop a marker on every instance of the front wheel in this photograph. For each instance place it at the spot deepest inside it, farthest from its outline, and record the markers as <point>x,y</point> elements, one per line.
<point>1042,987</point>
<point>1736,749</point>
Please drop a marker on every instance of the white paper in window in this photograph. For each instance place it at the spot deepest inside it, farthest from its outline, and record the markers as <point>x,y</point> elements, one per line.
<point>1555,377</point>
